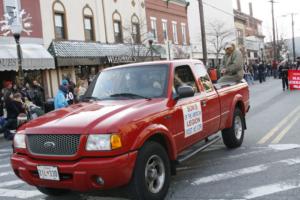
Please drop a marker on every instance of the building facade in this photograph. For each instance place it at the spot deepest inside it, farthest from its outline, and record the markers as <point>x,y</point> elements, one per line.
<point>250,36</point>
<point>88,35</point>
<point>36,60</point>
<point>167,22</point>
<point>219,28</point>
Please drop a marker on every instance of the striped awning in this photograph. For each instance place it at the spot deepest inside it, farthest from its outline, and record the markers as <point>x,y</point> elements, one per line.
<point>35,57</point>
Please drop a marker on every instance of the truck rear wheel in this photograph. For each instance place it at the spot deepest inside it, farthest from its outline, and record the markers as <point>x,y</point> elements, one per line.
<point>52,191</point>
<point>233,137</point>
<point>151,178</point>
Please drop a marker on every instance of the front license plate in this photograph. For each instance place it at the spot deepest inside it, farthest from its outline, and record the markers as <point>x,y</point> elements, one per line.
<point>48,173</point>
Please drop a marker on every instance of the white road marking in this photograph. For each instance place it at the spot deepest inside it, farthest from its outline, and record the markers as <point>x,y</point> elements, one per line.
<point>243,171</point>
<point>5,150</point>
<point>230,174</point>
<point>10,183</point>
<point>272,189</point>
<point>21,194</point>
<point>4,166</point>
<point>285,130</point>
<point>284,147</point>
<point>5,154</point>
<point>276,128</point>
<point>6,173</point>
<point>4,160</point>
<point>292,161</point>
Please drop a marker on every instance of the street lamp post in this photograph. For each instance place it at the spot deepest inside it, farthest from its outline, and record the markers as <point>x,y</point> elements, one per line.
<point>19,53</point>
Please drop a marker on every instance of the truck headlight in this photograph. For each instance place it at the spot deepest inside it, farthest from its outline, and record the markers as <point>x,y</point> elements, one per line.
<point>19,141</point>
<point>103,142</point>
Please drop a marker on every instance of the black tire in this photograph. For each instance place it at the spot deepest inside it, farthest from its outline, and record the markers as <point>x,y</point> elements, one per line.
<point>140,189</point>
<point>233,137</point>
<point>52,191</point>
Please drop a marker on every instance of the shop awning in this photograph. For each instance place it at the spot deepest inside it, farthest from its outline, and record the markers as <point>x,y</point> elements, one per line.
<point>74,53</point>
<point>35,57</point>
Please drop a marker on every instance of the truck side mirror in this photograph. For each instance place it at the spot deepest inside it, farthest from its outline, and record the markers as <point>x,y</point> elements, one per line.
<point>184,92</point>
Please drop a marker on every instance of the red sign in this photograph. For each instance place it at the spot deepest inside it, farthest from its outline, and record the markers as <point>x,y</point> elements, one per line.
<point>294,79</point>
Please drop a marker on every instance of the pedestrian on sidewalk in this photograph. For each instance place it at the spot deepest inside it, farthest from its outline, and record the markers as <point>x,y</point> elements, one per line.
<point>261,72</point>
<point>14,107</point>
<point>38,94</point>
<point>80,90</point>
<point>283,70</point>
<point>248,76</point>
<point>60,100</point>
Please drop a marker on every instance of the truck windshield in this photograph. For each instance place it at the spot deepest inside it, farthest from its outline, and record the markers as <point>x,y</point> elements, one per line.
<point>131,83</point>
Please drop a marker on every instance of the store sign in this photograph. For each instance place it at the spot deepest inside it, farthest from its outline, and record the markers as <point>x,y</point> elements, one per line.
<point>120,59</point>
<point>294,79</point>
<point>8,62</point>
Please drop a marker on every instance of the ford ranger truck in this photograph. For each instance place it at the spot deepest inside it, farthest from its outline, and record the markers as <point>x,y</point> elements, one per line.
<point>134,125</point>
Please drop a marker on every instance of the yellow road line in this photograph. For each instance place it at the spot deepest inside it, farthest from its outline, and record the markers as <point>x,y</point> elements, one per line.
<point>285,130</point>
<point>276,128</point>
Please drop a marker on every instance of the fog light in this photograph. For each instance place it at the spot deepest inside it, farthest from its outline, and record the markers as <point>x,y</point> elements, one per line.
<point>99,180</point>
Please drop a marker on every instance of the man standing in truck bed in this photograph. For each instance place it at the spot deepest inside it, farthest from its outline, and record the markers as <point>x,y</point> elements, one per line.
<point>232,65</point>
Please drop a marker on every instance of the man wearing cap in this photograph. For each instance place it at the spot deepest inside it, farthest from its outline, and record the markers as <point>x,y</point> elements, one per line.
<point>232,65</point>
<point>60,100</point>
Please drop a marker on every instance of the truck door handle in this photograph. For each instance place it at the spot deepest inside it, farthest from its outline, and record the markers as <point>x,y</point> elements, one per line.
<point>203,103</point>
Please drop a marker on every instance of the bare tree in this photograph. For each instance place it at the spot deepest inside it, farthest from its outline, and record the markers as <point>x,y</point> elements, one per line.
<point>136,36</point>
<point>218,35</point>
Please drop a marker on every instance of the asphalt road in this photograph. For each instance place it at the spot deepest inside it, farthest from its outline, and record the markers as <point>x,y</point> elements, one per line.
<point>265,167</point>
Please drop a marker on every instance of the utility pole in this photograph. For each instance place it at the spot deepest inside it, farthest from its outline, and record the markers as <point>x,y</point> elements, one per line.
<point>293,34</point>
<point>274,39</point>
<point>294,49</point>
<point>203,34</point>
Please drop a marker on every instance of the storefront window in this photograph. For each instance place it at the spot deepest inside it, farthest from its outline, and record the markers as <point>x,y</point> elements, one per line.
<point>86,73</point>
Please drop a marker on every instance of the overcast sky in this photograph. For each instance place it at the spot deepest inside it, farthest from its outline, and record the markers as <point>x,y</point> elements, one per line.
<point>262,11</point>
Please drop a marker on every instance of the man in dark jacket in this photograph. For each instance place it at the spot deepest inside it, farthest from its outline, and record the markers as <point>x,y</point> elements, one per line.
<point>283,70</point>
<point>14,107</point>
<point>38,94</point>
<point>261,72</point>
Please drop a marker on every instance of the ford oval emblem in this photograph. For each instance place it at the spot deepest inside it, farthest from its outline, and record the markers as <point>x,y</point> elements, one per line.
<point>49,145</point>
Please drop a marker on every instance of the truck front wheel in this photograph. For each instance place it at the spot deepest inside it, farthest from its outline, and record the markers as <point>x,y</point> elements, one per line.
<point>151,178</point>
<point>233,136</point>
<point>52,191</point>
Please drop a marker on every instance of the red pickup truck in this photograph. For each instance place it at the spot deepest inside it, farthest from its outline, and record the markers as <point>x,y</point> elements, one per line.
<point>135,124</point>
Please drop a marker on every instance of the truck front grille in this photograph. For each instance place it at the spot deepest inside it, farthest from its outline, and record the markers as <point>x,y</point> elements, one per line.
<point>53,145</point>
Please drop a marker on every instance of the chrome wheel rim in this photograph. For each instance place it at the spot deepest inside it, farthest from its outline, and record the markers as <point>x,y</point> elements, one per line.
<point>155,174</point>
<point>238,127</point>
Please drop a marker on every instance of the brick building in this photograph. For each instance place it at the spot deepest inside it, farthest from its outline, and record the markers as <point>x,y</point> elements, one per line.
<point>249,33</point>
<point>168,23</point>
<point>36,59</point>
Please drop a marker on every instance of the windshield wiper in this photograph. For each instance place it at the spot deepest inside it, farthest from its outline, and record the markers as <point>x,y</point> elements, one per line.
<point>129,95</point>
<point>90,98</point>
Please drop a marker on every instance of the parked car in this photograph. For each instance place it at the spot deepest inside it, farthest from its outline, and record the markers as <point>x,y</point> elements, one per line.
<point>136,124</point>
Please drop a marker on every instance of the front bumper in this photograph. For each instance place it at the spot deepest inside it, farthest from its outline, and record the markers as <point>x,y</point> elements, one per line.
<point>78,175</point>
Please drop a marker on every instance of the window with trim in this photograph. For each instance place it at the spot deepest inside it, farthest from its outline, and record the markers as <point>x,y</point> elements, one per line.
<point>118,31</point>
<point>165,29</point>
<point>175,36</point>
<point>59,22</point>
<point>9,7</point>
<point>136,35</point>
<point>183,32</point>
<point>153,27</point>
<point>89,28</point>
<point>203,78</point>
<point>184,76</point>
